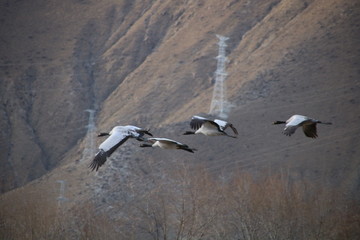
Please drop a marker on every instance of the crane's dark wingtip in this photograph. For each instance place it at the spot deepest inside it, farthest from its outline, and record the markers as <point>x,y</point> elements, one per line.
<point>312,135</point>
<point>99,160</point>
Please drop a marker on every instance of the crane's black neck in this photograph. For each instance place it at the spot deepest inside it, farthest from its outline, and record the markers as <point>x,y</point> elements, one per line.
<point>188,133</point>
<point>279,122</point>
<point>103,134</point>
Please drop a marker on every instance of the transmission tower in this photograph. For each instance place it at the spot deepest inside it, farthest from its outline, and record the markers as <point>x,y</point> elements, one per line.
<point>90,147</point>
<point>61,197</point>
<point>219,105</point>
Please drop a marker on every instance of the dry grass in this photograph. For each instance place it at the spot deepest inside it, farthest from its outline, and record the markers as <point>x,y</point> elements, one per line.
<point>195,206</point>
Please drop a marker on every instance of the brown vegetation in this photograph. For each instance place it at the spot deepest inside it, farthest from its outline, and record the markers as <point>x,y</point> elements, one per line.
<point>191,204</point>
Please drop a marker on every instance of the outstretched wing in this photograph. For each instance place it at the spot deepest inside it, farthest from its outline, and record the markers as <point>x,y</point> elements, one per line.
<point>233,128</point>
<point>118,144</point>
<point>293,123</point>
<point>151,140</point>
<point>165,140</point>
<point>136,132</point>
<point>223,125</point>
<point>310,130</point>
<point>106,148</point>
<point>296,120</point>
<point>178,145</point>
<point>98,161</point>
<point>114,141</point>
<point>289,130</point>
<point>197,121</point>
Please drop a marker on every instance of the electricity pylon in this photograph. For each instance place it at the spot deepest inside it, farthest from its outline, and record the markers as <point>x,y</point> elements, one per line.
<point>219,105</point>
<point>61,197</point>
<point>90,147</point>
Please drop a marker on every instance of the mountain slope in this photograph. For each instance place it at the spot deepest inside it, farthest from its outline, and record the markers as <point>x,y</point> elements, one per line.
<point>151,64</point>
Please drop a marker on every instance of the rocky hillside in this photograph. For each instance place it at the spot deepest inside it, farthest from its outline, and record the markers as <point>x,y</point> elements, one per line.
<point>151,63</point>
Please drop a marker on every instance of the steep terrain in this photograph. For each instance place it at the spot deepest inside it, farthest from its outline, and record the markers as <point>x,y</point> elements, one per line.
<point>151,64</point>
<point>79,52</point>
<point>51,67</point>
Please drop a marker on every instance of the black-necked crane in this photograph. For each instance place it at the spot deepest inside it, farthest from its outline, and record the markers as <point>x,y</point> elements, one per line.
<point>308,125</point>
<point>210,127</point>
<point>166,143</point>
<point>117,136</point>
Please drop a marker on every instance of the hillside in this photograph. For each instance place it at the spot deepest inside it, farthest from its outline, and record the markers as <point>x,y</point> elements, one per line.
<point>152,64</point>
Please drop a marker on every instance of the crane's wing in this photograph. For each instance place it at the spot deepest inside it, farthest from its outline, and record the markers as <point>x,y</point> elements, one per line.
<point>296,120</point>
<point>310,130</point>
<point>114,141</point>
<point>289,129</point>
<point>165,140</point>
<point>233,128</point>
<point>293,123</point>
<point>178,144</point>
<point>223,125</point>
<point>98,161</point>
<point>151,140</point>
<point>137,132</point>
<point>107,148</point>
<point>197,121</point>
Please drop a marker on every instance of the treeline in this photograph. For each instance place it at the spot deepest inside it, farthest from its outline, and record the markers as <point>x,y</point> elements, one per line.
<point>192,204</point>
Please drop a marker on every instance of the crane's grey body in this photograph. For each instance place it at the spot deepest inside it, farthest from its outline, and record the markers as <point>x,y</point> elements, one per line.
<point>166,143</point>
<point>210,127</point>
<point>308,125</point>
